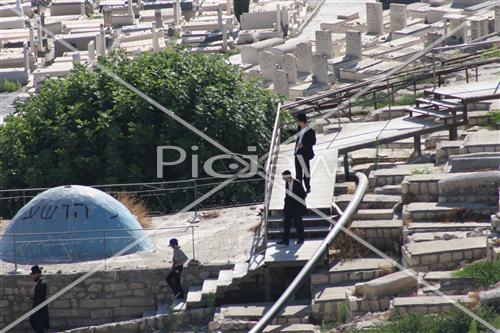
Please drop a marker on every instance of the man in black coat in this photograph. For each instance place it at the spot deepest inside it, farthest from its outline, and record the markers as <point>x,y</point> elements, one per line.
<point>294,208</point>
<point>39,320</point>
<point>306,139</point>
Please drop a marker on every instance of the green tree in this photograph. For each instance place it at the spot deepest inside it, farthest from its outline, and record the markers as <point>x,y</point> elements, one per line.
<point>89,129</point>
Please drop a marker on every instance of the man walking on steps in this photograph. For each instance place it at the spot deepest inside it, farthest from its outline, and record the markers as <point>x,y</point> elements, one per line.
<point>304,153</point>
<point>174,277</point>
<point>294,208</point>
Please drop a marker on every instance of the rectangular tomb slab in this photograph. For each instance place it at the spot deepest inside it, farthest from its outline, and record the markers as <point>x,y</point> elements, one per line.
<point>362,264</point>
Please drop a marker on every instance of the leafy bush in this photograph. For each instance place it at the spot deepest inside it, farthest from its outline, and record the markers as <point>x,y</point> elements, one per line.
<point>483,272</point>
<point>9,86</point>
<point>491,53</point>
<point>89,129</point>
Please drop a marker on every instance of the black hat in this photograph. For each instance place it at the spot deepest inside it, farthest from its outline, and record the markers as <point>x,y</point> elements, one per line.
<point>302,117</point>
<point>286,173</point>
<point>173,242</point>
<point>35,269</point>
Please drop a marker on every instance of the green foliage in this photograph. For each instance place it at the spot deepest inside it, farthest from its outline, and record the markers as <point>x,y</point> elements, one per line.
<point>9,86</point>
<point>89,129</point>
<point>491,53</point>
<point>453,322</point>
<point>483,272</point>
<point>424,171</point>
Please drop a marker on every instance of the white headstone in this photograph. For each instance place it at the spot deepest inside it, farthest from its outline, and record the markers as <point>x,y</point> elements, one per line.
<point>475,29</point>
<point>278,18</point>
<point>108,19</point>
<point>324,43</point>
<point>267,65</point>
<point>375,19</point>
<point>39,35</point>
<point>461,35</point>
<point>32,38</point>
<point>91,49</point>
<point>82,9</point>
<point>280,82</point>
<point>353,44</point>
<point>219,17</point>
<point>320,69</point>
<point>26,57</point>
<point>229,7</point>
<point>140,5</point>
<point>129,7</point>
<point>76,58</point>
<point>399,16</point>
<point>304,57</point>
<point>497,18</point>
<point>177,13</point>
<point>101,42</point>
<point>154,36</point>
<point>19,8</point>
<point>290,66</point>
<point>224,37</point>
<point>158,18</point>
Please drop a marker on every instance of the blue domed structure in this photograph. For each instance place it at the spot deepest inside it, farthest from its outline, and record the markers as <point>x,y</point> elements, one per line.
<point>71,224</point>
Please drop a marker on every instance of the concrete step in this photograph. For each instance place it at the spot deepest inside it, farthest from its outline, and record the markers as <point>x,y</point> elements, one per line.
<point>443,254</point>
<point>371,155</point>
<point>309,232</point>
<point>389,189</point>
<point>427,304</point>
<point>353,270</point>
<point>383,234</point>
<point>374,214</point>
<point>447,212</point>
<point>328,301</point>
<point>370,201</point>
<point>292,328</point>
<point>291,314</point>
<point>279,212</point>
<point>224,279</point>
<point>240,270</point>
<point>442,235</point>
<point>394,176</point>
<point>307,220</point>
<point>194,296</point>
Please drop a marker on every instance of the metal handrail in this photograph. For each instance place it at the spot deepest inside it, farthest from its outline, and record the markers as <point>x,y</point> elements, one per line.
<point>271,167</point>
<point>317,256</point>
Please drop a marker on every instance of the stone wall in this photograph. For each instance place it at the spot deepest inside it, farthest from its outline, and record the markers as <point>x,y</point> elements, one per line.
<point>105,297</point>
<point>168,323</point>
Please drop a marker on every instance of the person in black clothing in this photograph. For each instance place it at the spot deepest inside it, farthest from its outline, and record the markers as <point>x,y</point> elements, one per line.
<point>174,277</point>
<point>294,208</point>
<point>39,320</point>
<point>306,139</point>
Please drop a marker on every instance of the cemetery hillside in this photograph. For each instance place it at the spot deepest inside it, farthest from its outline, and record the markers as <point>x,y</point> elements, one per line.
<point>249,166</point>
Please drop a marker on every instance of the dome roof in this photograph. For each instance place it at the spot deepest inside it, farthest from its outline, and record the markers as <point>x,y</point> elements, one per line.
<point>71,224</point>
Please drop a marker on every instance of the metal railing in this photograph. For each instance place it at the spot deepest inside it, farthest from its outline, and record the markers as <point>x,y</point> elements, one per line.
<point>65,239</point>
<point>271,167</point>
<point>317,256</point>
<point>159,197</point>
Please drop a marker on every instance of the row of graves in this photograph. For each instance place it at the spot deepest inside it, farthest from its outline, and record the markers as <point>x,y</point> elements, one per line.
<point>39,40</point>
<point>351,48</point>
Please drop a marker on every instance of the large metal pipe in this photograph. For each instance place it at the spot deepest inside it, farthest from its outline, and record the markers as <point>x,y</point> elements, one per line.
<point>317,256</point>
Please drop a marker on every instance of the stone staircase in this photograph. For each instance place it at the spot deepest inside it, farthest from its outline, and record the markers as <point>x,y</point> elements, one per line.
<point>375,220</point>
<point>239,318</point>
<point>201,296</point>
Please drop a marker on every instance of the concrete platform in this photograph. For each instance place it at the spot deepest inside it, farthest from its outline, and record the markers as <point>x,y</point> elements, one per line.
<point>470,92</point>
<point>293,255</point>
